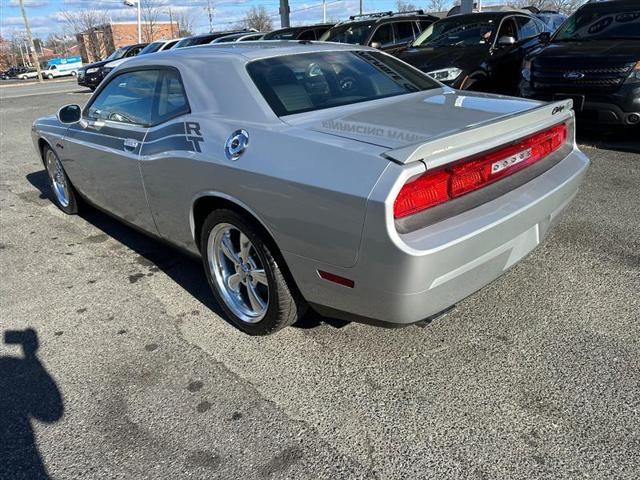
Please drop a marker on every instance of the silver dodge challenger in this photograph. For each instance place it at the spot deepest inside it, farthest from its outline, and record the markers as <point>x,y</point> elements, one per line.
<point>317,174</point>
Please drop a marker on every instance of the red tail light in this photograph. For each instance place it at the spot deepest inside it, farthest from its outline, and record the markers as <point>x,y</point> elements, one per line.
<point>434,188</point>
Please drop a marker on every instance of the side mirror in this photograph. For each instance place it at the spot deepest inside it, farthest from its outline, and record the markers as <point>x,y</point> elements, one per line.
<point>377,45</point>
<point>545,37</point>
<point>506,41</point>
<point>70,114</point>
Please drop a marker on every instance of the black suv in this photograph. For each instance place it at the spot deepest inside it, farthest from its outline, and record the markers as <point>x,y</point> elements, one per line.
<point>386,31</point>
<point>594,59</point>
<point>478,51</point>
<point>308,32</point>
<point>91,75</point>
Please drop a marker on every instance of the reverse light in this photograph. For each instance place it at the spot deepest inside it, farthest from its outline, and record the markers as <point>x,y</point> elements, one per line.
<point>439,186</point>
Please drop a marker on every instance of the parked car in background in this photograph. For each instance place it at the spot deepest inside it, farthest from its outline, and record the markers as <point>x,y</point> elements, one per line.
<point>27,73</point>
<point>593,59</point>
<point>205,38</point>
<point>91,75</point>
<point>14,72</point>
<point>318,174</point>
<point>305,32</point>
<point>478,51</point>
<point>60,67</point>
<point>387,31</point>
<point>159,46</point>
<point>240,37</point>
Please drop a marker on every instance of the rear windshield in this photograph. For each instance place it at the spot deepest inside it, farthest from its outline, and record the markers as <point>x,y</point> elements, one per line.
<point>601,23</point>
<point>313,81</point>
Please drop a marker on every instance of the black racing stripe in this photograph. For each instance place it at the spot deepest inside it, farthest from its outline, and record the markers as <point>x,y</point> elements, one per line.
<point>173,129</point>
<point>112,132</point>
<point>166,145</point>
<point>96,139</point>
<point>121,132</point>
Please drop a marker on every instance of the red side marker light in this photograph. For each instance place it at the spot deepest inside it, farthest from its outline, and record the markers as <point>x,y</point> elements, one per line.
<point>332,277</point>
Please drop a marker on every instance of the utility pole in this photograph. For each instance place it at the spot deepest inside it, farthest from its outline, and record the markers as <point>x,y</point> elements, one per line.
<point>466,6</point>
<point>210,13</point>
<point>171,21</point>
<point>32,46</point>
<point>361,9</point>
<point>324,11</point>
<point>284,13</point>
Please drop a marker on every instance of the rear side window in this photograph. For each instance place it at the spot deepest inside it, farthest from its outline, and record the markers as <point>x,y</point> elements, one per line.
<point>171,98</point>
<point>127,98</point>
<point>313,81</point>
<point>404,32</point>
<point>307,35</point>
<point>383,35</point>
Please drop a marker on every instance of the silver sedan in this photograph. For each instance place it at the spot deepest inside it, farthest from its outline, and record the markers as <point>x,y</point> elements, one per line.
<point>317,175</point>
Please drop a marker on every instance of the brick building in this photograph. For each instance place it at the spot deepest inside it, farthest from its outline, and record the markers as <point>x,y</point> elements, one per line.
<point>99,42</point>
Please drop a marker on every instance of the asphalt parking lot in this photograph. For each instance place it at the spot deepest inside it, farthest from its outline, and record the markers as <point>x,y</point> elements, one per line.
<point>137,375</point>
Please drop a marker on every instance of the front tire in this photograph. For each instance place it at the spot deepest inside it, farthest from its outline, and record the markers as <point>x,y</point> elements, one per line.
<point>50,77</point>
<point>246,274</point>
<point>64,195</point>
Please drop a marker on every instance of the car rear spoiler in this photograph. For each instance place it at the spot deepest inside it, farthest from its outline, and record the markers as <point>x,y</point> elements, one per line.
<point>477,138</point>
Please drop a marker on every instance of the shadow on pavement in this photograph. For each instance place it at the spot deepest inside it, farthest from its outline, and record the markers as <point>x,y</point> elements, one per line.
<point>184,269</point>
<point>27,392</point>
<point>621,139</point>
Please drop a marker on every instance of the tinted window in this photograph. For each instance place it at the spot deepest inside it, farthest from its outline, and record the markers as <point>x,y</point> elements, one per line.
<point>151,48</point>
<point>313,81</point>
<point>355,34</point>
<point>383,35</point>
<point>281,35</point>
<point>119,53</point>
<point>171,98</point>
<point>404,32</point>
<point>463,31</point>
<point>602,21</point>
<point>134,51</point>
<point>527,27</point>
<point>126,98</point>
<point>170,45</point>
<point>508,28</point>
<point>307,35</point>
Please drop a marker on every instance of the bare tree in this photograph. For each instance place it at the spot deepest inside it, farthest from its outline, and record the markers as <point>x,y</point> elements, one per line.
<point>258,18</point>
<point>185,19</point>
<point>564,6</point>
<point>150,15</point>
<point>437,5</point>
<point>402,6</point>
<point>59,42</point>
<point>88,24</point>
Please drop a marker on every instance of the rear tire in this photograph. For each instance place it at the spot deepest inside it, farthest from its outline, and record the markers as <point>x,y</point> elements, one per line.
<point>64,195</point>
<point>246,275</point>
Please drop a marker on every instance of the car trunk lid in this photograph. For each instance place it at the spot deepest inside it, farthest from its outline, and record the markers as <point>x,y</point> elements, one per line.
<point>438,126</point>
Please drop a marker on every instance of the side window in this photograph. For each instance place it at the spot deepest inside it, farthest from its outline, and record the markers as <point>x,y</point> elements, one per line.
<point>383,35</point>
<point>527,28</point>
<point>424,24</point>
<point>127,98</point>
<point>307,35</point>
<point>133,52</point>
<point>171,97</point>
<point>404,32</point>
<point>508,29</point>
<point>542,27</point>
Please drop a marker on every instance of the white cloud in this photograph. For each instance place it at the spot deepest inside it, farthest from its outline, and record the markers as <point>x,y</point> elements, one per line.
<point>30,3</point>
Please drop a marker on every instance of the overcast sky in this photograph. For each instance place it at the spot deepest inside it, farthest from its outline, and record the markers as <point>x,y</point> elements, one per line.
<point>44,15</point>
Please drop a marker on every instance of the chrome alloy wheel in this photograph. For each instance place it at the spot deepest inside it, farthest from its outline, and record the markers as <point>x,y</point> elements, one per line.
<point>58,178</point>
<point>238,272</point>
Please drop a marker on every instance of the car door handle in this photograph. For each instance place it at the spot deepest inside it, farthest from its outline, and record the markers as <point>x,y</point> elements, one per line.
<point>130,143</point>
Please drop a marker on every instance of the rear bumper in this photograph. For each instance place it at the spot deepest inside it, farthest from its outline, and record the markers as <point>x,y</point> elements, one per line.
<point>621,107</point>
<point>404,278</point>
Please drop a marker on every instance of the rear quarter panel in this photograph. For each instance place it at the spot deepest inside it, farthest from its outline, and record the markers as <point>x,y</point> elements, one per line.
<point>308,189</point>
